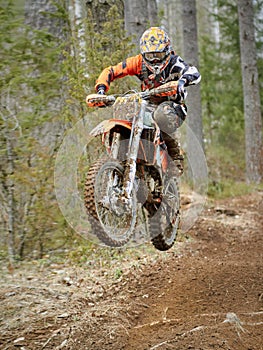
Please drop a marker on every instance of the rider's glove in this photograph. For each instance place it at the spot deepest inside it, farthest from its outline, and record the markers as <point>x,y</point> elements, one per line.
<point>180,87</point>
<point>101,89</point>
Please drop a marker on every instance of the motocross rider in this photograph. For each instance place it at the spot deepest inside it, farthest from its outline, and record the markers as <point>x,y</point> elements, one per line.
<point>155,65</point>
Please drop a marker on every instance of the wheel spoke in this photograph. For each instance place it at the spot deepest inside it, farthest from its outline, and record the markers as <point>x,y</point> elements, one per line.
<point>116,219</point>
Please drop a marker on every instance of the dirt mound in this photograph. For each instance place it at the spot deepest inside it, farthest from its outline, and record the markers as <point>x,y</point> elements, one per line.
<point>206,293</point>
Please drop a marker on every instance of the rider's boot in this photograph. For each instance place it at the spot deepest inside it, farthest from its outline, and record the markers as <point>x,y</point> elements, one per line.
<point>174,152</point>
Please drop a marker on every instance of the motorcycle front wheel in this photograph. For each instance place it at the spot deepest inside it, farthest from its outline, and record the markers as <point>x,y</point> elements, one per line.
<point>112,218</point>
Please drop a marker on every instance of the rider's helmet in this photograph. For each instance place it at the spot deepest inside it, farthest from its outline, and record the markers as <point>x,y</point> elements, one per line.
<point>155,49</point>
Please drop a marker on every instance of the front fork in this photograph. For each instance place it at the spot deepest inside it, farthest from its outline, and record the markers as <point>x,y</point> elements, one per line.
<point>132,155</point>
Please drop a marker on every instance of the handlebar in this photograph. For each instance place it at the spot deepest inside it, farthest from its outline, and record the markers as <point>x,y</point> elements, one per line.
<point>98,100</point>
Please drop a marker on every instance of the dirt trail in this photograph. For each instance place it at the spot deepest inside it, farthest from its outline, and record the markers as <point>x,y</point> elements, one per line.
<point>204,294</point>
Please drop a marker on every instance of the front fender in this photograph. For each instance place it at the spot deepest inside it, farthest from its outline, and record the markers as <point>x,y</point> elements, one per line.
<point>107,125</point>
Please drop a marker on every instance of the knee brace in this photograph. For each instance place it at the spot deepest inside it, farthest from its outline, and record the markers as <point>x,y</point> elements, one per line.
<point>170,116</point>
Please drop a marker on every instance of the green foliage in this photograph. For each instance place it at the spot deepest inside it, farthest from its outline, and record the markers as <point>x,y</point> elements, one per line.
<point>118,273</point>
<point>101,50</point>
<point>29,95</point>
<point>226,171</point>
<point>43,85</point>
<point>37,73</point>
<point>222,95</point>
<point>228,188</point>
<point>221,70</point>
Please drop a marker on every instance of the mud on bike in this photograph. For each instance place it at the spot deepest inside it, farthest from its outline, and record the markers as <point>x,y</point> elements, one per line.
<point>134,176</point>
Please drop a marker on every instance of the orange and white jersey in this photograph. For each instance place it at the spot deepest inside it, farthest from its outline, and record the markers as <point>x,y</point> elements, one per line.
<point>176,68</point>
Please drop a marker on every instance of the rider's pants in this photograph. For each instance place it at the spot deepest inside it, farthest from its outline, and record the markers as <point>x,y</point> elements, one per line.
<point>169,117</point>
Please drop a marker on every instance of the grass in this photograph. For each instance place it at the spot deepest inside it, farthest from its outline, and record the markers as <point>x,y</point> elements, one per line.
<point>227,171</point>
<point>228,188</point>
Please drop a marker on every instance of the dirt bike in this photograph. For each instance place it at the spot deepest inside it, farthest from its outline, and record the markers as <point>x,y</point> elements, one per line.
<point>135,175</point>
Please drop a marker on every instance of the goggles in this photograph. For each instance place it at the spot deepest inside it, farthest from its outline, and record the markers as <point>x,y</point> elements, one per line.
<point>153,56</point>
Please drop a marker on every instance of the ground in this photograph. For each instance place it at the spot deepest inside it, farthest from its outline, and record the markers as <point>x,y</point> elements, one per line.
<point>205,293</point>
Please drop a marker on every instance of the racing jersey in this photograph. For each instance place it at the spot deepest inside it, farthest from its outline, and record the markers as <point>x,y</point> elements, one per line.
<point>175,70</point>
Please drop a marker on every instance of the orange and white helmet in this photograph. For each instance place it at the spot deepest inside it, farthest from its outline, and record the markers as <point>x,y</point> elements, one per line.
<point>155,49</point>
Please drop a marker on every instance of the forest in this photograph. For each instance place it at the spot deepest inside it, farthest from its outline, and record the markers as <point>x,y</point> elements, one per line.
<point>51,54</point>
<point>62,289</point>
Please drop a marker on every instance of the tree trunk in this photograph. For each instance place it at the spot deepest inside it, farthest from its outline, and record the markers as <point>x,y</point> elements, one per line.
<point>38,14</point>
<point>138,16</point>
<point>7,183</point>
<point>76,16</point>
<point>172,22</point>
<point>99,10</point>
<point>194,121</point>
<point>10,198</point>
<point>253,121</point>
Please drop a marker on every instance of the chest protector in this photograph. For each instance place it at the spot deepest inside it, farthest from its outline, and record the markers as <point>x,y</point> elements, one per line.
<point>150,81</point>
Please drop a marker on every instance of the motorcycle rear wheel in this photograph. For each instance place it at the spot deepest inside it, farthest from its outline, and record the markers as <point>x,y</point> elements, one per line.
<point>111,220</point>
<point>163,225</point>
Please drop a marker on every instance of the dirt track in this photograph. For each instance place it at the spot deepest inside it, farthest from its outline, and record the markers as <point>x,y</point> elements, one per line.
<point>202,295</point>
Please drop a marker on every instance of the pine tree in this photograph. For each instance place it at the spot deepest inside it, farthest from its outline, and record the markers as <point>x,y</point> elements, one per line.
<point>26,162</point>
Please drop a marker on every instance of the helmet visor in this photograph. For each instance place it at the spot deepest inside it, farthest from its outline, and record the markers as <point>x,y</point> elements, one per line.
<point>155,56</point>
